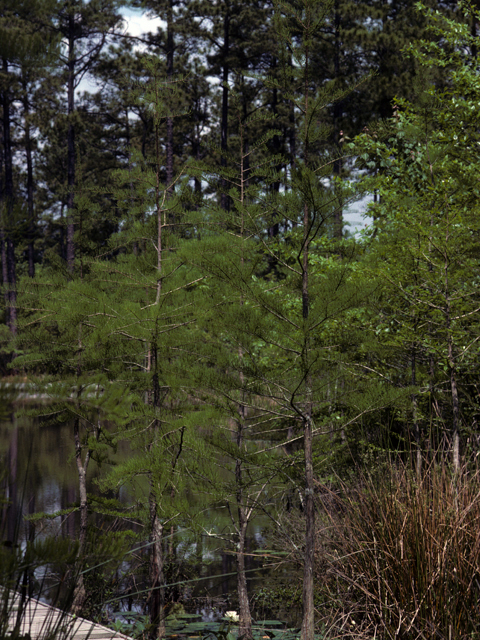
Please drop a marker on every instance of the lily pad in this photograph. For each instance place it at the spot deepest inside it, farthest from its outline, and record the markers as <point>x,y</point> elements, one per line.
<point>212,626</point>
<point>269,623</point>
<point>175,627</point>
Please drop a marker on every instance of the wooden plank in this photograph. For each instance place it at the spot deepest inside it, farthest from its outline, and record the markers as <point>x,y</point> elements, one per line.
<point>39,619</point>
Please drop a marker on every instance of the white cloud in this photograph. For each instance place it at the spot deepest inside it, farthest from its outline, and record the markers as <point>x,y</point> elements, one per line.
<point>138,23</point>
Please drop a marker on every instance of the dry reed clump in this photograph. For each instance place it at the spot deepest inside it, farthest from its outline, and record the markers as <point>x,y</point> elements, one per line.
<point>403,554</point>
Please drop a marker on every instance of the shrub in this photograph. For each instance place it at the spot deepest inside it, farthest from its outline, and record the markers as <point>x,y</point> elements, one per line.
<point>403,553</point>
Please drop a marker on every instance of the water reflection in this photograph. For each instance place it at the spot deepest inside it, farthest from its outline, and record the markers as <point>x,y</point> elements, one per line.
<point>40,476</point>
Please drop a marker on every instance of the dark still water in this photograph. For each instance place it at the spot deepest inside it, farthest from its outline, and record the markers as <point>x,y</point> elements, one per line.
<point>38,475</point>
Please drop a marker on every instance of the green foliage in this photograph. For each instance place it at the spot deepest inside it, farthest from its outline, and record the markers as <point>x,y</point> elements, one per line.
<point>281,597</point>
<point>25,37</point>
<point>104,553</point>
<point>217,318</point>
<point>422,253</point>
<point>135,625</point>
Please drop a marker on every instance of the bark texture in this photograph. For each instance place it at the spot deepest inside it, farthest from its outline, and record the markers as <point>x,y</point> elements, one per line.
<point>224,199</point>
<point>245,621</point>
<point>8,247</point>
<point>80,595</point>
<point>30,186</point>
<point>71,146</point>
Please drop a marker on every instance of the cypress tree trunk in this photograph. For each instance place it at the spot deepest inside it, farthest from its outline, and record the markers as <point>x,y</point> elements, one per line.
<point>308,622</point>
<point>454,393</point>
<point>451,356</point>
<point>12,508</point>
<point>79,592</point>
<point>245,618</point>
<point>157,579</point>
<point>416,426</point>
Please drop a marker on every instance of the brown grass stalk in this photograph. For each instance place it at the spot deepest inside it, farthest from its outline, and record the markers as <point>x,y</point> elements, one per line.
<point>400,556</point>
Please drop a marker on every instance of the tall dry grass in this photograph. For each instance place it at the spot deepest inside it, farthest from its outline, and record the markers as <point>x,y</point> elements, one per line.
<point>400,556</point>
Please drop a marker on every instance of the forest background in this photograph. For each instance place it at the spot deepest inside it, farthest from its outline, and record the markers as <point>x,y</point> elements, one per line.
<point>178,278</point>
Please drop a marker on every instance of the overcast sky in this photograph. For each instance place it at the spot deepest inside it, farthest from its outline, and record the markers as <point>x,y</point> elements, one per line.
<point>138,22</point>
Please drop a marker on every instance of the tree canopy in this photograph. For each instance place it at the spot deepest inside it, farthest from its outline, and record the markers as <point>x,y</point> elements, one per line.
<point>176,260</point>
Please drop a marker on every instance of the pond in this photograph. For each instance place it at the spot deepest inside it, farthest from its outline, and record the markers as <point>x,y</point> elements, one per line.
<point>40,477</point>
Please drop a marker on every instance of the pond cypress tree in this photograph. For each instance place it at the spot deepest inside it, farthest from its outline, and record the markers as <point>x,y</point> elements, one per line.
<point>107,333</point>
<point>226,250</point>
<point>275,328</point>
<point>151,330</point>
<point>311,207</point>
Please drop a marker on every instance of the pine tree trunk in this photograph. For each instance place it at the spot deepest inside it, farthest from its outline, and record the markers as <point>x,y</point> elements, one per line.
<point>245,618</point>
<point>196,180</point>
<point>224,199</point>
<point>292,133</point>
<point>71,146</point>
<point>337,165</point>
<point>12,284</point>
<point>30,200</point>
<point>169,140</point>
<point>292,139</point>
<point>6,292</point>
<point>11,281</point>
<point>274,228</point>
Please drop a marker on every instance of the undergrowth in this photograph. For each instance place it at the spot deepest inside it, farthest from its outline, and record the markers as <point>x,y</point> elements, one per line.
<point>399,555</point>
